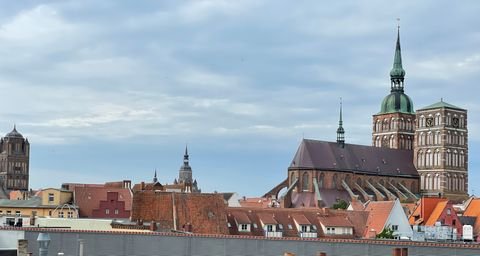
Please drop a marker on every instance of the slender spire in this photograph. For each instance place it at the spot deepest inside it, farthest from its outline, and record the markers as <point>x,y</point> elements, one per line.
<point>155,180</point>
<point>397,74</point>
<point>340,130</point>
<point>185,156</point>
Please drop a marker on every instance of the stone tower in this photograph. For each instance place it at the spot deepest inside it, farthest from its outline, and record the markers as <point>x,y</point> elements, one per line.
<point>185,175</point>
<point>14,161</point>
<point>441,150</point>
<point>393,126</point>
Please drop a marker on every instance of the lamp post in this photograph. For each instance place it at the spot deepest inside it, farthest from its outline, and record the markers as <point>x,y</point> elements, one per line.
<point>43,243</point>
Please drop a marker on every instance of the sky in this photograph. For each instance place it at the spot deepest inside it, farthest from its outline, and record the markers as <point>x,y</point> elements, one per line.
<point>112,90</point>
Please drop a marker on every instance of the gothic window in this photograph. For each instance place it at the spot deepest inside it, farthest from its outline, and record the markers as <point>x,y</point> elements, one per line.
<point>420,159</point>
<point>462,122</point>
<point>455,182</point>
<point>393,123</point>
<point>402,142</point>
<point>422,121</point>
<point>448,182</point>
<point>321,180</point>
<point>421,139</point>
<point>334,181</point>
<point>429,182</point>
<point>422,181</point>
<point>378,126</point>
<point>437,119</point>
<point>449,158</point>
<point>448,119</point>
<point>437,182</point>
<point>455,158</point>
<point>462,159</point>
<point>438,138</point>
<point>401,124</point>
<point>293,176</point>
<point>392,141</point>
<point>429,138</point>
<point>305,181</point>
<point>449,137</point>
<point>429,158</point>
<point>436,158</point>
<point>409,124</point>
<point>385,125</point>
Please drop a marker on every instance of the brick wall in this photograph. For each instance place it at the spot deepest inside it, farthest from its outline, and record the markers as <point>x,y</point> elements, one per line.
<point>197,213</point>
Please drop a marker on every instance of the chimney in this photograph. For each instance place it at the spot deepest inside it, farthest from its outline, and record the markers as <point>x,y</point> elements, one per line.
<point>142,186</point>
<point>22,249</point>
<point>153,226</point>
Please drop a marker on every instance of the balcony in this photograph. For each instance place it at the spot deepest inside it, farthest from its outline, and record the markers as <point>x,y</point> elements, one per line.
<point>273,234</point>
<point>308,234</point>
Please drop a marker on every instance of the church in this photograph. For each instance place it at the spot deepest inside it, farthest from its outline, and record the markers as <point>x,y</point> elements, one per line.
<point>413,154</point>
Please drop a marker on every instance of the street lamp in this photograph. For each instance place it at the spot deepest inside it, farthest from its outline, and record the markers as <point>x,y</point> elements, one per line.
<point>43,243</point>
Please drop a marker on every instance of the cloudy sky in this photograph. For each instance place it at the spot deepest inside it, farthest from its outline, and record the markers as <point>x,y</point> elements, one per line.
<point>110,90</point>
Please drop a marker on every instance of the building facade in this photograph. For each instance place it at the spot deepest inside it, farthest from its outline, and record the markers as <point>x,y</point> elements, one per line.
<point>14,161</point>
<point>441,150</point>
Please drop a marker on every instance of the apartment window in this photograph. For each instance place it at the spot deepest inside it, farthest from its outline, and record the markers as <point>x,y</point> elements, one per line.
<point>17,213</point>
<point>449,212</point>
<point>51,197</point>
<point>49,213</point>
<point>116,211</point>
<point>304,228</point>
<point>244,227</point>
<point>270,228</point>
<point>1,212</point>
<point>330,230</point>
<point>394,227</point>
<point>69,214</point>
<point>454,222</point>
<point>9,212</point>
<point>107,211</point>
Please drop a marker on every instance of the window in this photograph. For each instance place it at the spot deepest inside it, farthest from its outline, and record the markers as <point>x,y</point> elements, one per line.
<point>9,212</point>
<point>290,226</point>
<point>107,211</point>
<point>244,227</point>
<point>60,215</point>
<point>17,213</point>
<point>255,225</point>
<point>395,227</point>
<point>70,215</point>
<point>116,211</point>
<point>331,231</point>
<point>51,197</point>
<point>304,228</point>
<point>49,213</point>
<point>270,228</point>
<point>454,222</point>
<point>449,212</point>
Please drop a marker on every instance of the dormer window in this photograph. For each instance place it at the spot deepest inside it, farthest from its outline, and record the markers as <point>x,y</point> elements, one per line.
<point>244,228</point>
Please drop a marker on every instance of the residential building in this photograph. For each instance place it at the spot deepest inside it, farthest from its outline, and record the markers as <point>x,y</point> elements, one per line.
<point>387,214</point>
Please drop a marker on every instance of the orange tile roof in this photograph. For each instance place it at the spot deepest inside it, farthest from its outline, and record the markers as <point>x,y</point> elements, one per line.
<point>301,219</point>
<point>241,218</point>
<point>357,205</point>
<point>436,213</point>
<point>267,218</point>
<point>473,208</point>
<point>378,215</point>
<point>424,209</point>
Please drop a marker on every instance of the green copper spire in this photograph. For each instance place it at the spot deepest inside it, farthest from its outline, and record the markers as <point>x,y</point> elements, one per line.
<point>397,74</point>
<point>340,130</point>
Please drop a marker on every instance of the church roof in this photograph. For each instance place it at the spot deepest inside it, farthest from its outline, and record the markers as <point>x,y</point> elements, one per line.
<point>441,104</point>
<point>329,156</point>
<point>14,133</point>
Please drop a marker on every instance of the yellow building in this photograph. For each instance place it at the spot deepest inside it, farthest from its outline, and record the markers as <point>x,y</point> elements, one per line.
<point>51,203</point>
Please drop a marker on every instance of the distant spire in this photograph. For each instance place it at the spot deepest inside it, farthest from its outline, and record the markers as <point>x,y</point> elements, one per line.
<point>185,156</point>
<point>155,180</point>
<point>340,130</point>
<point>397,74</point>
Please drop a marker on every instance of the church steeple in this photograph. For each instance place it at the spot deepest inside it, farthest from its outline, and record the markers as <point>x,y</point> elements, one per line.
<point>155,180</point>
<point>397,74</point>
<point>340,130</point>
<point>185,156</point>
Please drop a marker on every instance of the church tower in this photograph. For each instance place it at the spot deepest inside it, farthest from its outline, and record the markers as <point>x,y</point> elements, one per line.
<point>14,161</point>
<point>441,150</point>
<point>185,175</point>
<point>393,126</point>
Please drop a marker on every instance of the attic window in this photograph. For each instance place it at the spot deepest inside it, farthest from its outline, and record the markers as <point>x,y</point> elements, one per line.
<point>290,226</point>
<point>314,227</point>
<point>255,225</point>
<point>280,226</point>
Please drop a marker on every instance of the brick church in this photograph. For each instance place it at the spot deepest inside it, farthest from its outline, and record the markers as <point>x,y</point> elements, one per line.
<point>413,154</point>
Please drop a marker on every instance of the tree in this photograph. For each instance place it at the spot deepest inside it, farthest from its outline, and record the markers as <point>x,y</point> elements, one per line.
<point>387,233</point>
<point>340,205</point>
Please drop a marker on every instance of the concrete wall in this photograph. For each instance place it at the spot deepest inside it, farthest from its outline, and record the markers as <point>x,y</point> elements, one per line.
<point>167,245</point>
<point>9,239</point>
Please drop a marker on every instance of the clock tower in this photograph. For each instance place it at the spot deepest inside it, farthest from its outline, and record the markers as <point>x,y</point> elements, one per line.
<point>393,126</point>
<point>441,150</point>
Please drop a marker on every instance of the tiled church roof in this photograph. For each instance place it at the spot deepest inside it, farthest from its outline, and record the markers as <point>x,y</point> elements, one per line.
<point>330,156</point>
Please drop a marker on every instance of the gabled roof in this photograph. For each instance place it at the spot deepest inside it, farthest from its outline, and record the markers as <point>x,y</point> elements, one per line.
<point>335,221</point>
<point>379,211</point>
<point>241,218</point>
<point>440,104</point>
<point>300,219</point>
<point>436,213</point>
<point>473,208</point>
<point>425,207</point>
<point>356,205</point>
<point>330,156</point>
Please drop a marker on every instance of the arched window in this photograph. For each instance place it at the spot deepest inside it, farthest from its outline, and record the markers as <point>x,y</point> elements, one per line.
<point>421,139</point>
<point>393,123</point>
<point>455,183</point>
<point>334,181</point>
<point>437,119</point>
<point>462,122</point>
<point>422,181</point>
<point>321,180</point>
<point>437,182</point>
<point>429,184</point>
<point>429,138</point>
<point>438,139</point>
<point>449,137</point>
<point>392,141</point>
<point>378,126</point>
<point>429,158</point>
<point>420,159</point>
<point>436,158</point>
<point>409,124</point>
<point>386,125</point>
<point>305,181</point>
<point>293,176</point>
<point>422,121</point>
<point>378,142</point>
<point>462,159</point>
<point>455,158</point>
<point>448,120</point>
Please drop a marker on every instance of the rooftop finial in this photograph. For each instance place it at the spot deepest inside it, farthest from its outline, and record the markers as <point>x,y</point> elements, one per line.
<point>155,176</point>
<point>185,157</point>
<point>340,130</point>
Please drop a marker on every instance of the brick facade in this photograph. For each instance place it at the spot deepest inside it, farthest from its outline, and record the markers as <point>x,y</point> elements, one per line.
<point>112,208</point>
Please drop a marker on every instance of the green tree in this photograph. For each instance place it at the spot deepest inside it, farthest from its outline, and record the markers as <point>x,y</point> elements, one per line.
<point>387,233</point>
<point>341,204</point>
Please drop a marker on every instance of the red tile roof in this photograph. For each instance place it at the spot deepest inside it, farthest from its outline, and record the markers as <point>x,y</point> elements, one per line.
<point>357,205</point>
<point>473,208</point>
<point>424,209</point>
<point>241,218</point>
<point>300,219</point>
<point>379,212</point>
<point>335,221</point>
<point>267,218</point>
